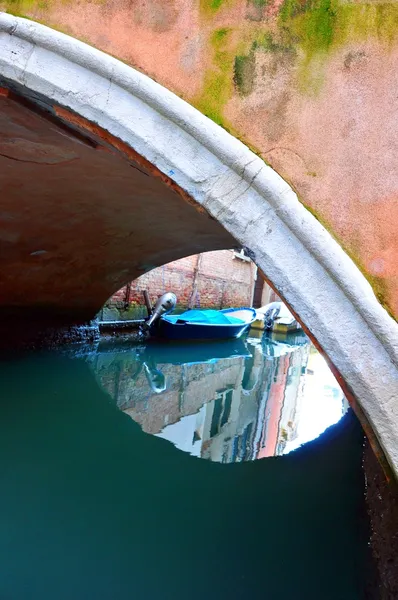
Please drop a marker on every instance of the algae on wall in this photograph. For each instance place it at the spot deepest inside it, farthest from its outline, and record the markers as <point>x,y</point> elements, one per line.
<point>309,29</point>
<point>218,79</point>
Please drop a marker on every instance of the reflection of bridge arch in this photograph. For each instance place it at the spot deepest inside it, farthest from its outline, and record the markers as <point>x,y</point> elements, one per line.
<point>72,251</point>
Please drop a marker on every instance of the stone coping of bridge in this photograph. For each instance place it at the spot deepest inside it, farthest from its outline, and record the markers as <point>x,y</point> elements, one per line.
<point>299,257</point>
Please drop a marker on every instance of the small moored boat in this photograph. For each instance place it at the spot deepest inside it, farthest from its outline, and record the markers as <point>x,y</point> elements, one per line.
<point>206,324</point>
<point>228,323</point>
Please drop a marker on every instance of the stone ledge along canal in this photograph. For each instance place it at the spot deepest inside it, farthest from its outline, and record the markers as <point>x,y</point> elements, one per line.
<point>231,470</point>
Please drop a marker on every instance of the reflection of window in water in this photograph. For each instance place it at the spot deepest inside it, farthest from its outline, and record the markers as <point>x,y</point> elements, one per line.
<point>245,442</point>
<point>242,445</point>
<point>291,375</point>
<point>221,411</point>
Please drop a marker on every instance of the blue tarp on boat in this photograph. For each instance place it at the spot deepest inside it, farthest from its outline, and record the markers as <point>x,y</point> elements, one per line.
<point>211,317</point>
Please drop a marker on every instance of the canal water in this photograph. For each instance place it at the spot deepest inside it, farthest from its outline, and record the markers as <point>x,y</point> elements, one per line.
<point>228,470</point>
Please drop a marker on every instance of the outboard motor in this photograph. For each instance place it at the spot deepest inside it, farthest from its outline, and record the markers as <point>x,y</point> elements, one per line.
<point>271,314</point>
<point>156,379</point>
<point>164,304</point>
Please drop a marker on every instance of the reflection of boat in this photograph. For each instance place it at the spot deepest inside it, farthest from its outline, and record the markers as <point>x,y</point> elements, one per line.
<point>175,353</point>
<point>154,353</point>
<point>206,324</point>
<point>180,353</point>
<point>276,316</point>
<point>296,337</point>
<point>272,344</point>
<point>155,377</point>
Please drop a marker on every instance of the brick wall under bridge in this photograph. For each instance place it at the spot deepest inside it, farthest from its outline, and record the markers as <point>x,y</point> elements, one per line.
<point>209,280</point>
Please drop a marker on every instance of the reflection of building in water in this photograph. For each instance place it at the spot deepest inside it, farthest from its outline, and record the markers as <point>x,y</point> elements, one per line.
<point>226,410</point>
<point>188,387</point>
<point>283,403</point>
<point>322,404</point>
<point>256,423</point>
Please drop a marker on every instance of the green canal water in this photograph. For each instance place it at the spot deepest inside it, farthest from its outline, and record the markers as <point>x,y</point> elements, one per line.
<point>227,471</point>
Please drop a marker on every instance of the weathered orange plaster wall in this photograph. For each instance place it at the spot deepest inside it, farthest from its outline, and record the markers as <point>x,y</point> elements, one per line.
<point>310,86</point>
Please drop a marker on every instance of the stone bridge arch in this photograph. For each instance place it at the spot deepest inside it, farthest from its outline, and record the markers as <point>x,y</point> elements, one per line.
<point>188,165</point>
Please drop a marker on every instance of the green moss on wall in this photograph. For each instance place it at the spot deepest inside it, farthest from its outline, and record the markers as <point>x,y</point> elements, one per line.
<point>29,9</point>
<point>244,71</point>
<point>313,29</point>
<point>19,7</point>
<point>218,80</point>
<point>259,3</point>
<point>381,290</point>
<point>244,64</point>
<point>356,22</point>
<point>311,22</point>
<point>319,25</point>
<point>266,41</point>
<point>219,36</point>
<point>213,4</point>
<point>209,7</point>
